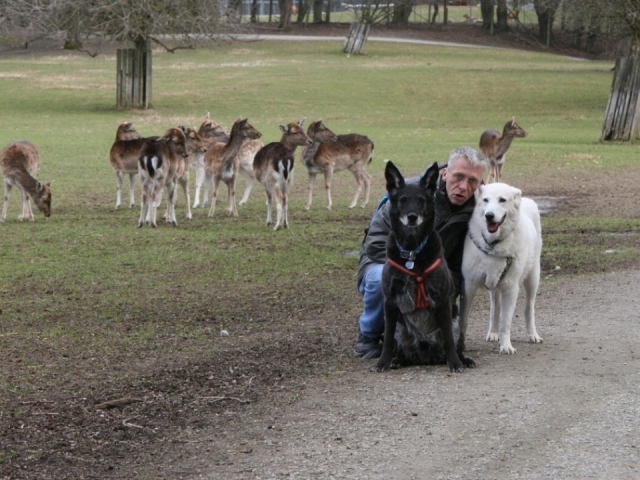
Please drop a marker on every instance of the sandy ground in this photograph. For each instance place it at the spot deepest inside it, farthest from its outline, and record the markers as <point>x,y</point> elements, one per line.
<point>568,408</point>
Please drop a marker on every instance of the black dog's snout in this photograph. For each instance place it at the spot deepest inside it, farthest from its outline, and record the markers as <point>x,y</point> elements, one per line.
<point>489,216</point>
<point>412,218</point>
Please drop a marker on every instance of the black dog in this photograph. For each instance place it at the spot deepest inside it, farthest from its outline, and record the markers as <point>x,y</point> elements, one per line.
<point>416,282</point>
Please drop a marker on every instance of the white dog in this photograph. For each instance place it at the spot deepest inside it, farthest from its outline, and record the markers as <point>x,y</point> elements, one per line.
<point>502,252</point>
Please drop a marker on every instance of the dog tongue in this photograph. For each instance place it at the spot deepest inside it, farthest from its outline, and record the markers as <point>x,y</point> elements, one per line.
<point>492,227</point>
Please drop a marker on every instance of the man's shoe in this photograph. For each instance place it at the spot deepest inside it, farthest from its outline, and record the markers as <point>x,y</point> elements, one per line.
<point>368,347</point>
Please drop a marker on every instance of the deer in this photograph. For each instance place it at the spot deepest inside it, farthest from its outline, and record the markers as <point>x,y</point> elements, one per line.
<point>222,162</point>
<point>19,163</point>
<point>159,163</point>
<point>123,157</point>
<point>273,168</point>
<point>196,148</point>
<point>330,153</point>
<point>494,146</point>
<point>210,132</point>
<point>215,133</point>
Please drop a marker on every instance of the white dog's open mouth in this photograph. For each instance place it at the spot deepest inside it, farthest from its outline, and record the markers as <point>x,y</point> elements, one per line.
<point>492,227</point>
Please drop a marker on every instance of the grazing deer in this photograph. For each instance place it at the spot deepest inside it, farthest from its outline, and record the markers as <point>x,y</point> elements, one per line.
<point>273,167</point>
<point>495,146</point>
<point>159,164</point>
<point>123,157</point>
<point>330,153</point>
<point>222,162</point>
<point>19,162</point>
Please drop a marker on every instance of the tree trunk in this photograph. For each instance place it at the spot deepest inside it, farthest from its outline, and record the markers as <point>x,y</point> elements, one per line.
<point>133,77</point>
<point>622,116</point>
<point>546,11</point>
<point>356,37</point>
<point>285,14</point>
<point>501,13</point>
<point>402,12</point>
<point>328,14</point>
<point>486,9</point>
<point>317,11</point>
<point>254,11</point>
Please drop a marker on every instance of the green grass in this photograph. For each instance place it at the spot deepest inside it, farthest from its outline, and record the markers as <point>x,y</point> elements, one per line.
<point>87,271</point>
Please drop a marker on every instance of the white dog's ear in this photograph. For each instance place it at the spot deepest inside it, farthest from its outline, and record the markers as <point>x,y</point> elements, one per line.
<point>517,197</point>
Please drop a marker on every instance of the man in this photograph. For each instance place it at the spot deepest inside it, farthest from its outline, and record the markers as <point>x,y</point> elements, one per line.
<point>454,204</point>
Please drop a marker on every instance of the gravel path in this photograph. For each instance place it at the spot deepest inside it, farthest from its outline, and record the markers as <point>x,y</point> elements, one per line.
<point>568,408</point>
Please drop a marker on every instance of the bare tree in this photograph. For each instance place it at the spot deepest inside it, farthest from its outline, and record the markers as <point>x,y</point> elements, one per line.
<point>86,24</point>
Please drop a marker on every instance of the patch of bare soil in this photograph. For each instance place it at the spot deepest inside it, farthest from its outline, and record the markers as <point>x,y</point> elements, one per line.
<point>287,398</point>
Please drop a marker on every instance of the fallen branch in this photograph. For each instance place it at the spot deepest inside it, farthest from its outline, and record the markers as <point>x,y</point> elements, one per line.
<point>219,399</point>
<point>126,423</point>
<point>120,402</point>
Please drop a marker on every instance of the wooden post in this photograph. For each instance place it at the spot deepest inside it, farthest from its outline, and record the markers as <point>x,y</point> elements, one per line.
<point>133,78</point>
<point>622,116</point>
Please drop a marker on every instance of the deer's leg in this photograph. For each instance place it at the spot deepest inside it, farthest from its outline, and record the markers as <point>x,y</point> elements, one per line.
<point>360,182</point>
<point>143,202</point>
<point>499,170</point>
<point>249,178</point>
<point>312,182</point>
<point>199,179</point>
<point>231,197</point>
<point>7,194</point>
<point>172,196</point>
<point>279,207</point>
<point>269,203</point>
<point>214,197</point>
<point>132,184</point>
<point>367,186</point>
<point>285,203</point>
<point>119,178</point>
<point>184,183</point>
<point>328,178</point>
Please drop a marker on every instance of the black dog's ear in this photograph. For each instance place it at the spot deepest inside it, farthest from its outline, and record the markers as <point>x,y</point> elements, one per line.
<point>395,180</point>
<point>429,180</point>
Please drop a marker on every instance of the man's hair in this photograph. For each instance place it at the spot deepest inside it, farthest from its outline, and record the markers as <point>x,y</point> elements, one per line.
<point>473,156</point>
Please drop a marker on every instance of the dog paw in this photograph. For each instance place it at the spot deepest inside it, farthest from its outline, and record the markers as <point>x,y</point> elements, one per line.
<point>468,362</point>
<point>507,349</point>
<point>492,337</point>
<point>380,368</point>
<point>535,339</point>
<point>457,368</point>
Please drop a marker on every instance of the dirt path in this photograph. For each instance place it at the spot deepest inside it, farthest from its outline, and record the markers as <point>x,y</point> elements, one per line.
<point>569,408</point>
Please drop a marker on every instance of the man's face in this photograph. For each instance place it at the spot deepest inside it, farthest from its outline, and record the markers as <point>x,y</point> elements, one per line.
<point>461,180</point>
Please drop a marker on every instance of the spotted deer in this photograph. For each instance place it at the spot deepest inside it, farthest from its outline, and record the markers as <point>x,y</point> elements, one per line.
<point>159,164</point>
<point>210,132</point>
<point>123,157</point>
<point>19,163</point>
<point>196,148</point>
<point>330,153</point>
<point>222,163</point>
<point>494,146</point>
<point>273,168</point>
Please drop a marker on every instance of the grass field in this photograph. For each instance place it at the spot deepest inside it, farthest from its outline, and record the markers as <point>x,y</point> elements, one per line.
<point>90,302</point>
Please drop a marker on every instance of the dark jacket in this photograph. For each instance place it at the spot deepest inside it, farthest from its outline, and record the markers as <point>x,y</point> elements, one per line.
<point>451,223</point>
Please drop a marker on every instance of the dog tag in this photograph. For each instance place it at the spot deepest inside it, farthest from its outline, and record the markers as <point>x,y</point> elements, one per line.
<point>409,264</point>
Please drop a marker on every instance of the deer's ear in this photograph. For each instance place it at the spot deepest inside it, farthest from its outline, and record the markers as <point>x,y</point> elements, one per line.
<point>513,121</point>
<point>284,128</point>
<point>302,120</point>
<point>394,178</point>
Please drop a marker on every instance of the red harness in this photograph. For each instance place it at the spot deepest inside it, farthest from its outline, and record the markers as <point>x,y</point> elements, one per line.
<point>422,301</point>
